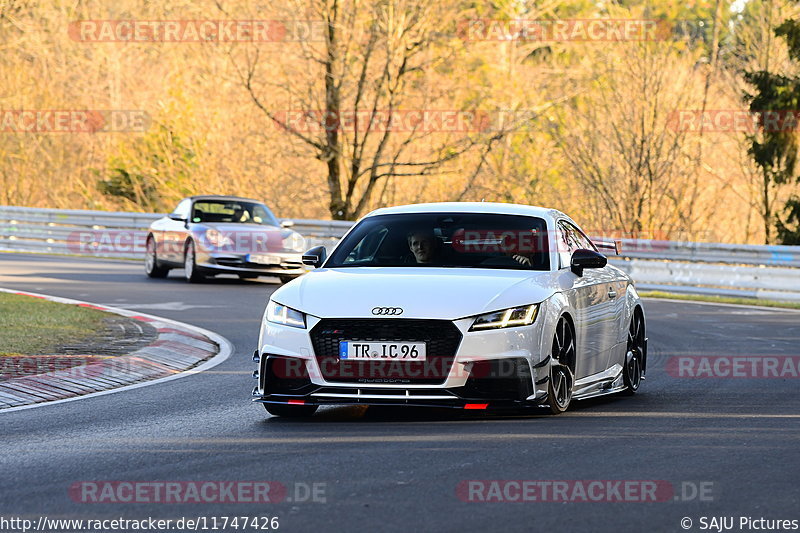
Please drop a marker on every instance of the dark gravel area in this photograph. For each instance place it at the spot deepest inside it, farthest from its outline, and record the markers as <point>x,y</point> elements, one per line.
<point>118,336</point>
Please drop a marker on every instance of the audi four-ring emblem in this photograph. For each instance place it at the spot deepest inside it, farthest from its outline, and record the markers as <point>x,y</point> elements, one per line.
<point>387,310</point>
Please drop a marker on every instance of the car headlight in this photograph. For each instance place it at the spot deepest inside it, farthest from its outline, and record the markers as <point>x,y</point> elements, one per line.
<point>280,314</point>
<point>506,318</point>
<point>218,238</point>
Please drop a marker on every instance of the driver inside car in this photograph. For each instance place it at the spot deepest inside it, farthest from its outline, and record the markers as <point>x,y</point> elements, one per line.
<point>425,246</point>
<point>240,214</point>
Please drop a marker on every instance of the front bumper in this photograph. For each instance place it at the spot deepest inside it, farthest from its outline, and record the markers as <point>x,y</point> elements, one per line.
<point>489,369</point>
<point>286,264</point>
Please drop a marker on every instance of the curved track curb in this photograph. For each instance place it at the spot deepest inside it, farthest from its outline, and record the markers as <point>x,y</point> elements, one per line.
<point>179,350</point>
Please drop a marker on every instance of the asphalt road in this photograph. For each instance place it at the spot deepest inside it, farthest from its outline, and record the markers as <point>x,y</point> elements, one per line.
<point>735,438</point>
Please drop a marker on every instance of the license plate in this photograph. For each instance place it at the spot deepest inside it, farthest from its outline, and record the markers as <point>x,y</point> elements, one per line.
<point>263,259</point>
<point>381,351</point>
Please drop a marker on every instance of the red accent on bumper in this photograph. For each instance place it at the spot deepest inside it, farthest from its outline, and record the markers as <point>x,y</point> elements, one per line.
<point>476,406</point>
<point>297,402</point>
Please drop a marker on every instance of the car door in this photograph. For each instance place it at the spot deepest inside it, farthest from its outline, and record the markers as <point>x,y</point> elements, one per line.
<point>606,307</point>
<point>175,232</point>
<point>590,300</point>
<point>619,328</point>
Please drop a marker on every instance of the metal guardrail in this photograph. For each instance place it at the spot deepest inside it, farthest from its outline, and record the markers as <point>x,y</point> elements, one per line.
<point>704,252</point>
<point>764,272</point>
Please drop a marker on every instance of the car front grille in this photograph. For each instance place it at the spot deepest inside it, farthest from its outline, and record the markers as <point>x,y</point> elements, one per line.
<point>441,338</point>
<point>286,264</point>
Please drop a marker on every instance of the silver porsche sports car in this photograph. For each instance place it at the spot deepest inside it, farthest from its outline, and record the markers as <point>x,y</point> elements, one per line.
<point>464,305</point>
<point>209,235</point>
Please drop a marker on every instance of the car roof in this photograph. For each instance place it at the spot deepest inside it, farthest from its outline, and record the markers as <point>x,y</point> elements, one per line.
<point>471,207</point>
<point>224,197</point>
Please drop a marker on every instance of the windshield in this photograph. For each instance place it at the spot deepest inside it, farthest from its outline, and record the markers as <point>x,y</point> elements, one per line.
<point>233,212</point>
<point>467,240</point>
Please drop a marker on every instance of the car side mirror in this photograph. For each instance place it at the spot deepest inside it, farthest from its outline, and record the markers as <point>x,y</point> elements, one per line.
<point>315,257</point>
<point>583,258</point>
<point>176,217</point>
<point>287,223</point>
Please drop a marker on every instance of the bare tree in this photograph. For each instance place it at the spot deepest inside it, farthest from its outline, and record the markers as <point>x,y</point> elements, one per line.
<point>373,65</point>
<point>634,168</point>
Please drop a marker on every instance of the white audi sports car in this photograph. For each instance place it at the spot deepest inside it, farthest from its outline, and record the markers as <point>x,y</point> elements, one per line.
<point>463,305</point>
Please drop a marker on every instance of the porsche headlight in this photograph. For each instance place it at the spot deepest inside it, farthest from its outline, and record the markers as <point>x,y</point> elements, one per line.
<point>217,238</point>
<point>506,318</point>
<point>280,314</point>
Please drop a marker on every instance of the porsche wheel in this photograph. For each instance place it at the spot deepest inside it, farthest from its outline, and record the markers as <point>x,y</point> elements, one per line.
<point>190,269</point>
<point>151,265</point>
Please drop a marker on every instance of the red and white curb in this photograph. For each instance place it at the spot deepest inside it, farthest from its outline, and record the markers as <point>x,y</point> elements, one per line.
<point>178,351</point>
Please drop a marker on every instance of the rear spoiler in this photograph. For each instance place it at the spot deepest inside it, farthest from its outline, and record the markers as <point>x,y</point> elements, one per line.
<point>608,246</point>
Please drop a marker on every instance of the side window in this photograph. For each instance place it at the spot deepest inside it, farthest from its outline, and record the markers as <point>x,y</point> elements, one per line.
<point>565,244</point>
<point>183,208</point>
<point>366,249</point>
<point>580,240</point>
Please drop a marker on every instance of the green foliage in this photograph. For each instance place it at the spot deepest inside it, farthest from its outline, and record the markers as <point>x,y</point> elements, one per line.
<point>151,171</point>
<point>790,31</point>
<point>789,227</point>
<point>775,150</point>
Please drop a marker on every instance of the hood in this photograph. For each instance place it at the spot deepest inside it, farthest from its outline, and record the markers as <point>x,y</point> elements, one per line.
<point>422,292</point>
<point>251,238</point>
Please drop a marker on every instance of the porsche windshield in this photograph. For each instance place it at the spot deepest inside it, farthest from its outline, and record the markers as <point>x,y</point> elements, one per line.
<point>232,212</point>
<point>467,240</point>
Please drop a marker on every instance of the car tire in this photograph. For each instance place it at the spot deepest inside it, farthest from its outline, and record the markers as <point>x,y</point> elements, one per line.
<point>633,369</point>
<point>151,265</point>
<point>190,270</point>
<point>247,276</point>
<point>290,411</point>
<point>562,367</point>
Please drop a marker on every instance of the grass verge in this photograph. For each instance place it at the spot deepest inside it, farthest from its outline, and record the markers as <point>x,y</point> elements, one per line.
<point>32,326</point>
<point>718,299</point>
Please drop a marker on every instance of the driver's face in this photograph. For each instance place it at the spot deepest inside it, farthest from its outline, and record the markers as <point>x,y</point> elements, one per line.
<point>422,246</point>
